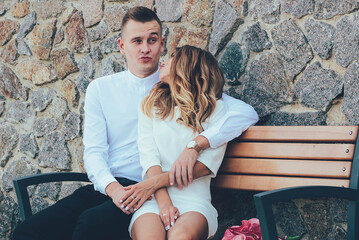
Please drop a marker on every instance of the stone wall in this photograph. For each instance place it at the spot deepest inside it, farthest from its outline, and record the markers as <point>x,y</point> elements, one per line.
<point>295,61</point>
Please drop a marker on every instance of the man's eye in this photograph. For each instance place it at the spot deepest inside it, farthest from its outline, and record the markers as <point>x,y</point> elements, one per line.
<point>152,40</point>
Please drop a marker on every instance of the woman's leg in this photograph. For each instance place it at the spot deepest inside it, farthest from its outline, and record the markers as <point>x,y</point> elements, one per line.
<point>189,226</point>
<point>148,226</point>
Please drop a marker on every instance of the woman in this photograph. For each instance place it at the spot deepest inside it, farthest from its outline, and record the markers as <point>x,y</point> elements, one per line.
<point>182,105</point>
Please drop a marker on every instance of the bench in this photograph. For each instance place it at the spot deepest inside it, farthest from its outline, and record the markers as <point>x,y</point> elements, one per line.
<point>265,158</point>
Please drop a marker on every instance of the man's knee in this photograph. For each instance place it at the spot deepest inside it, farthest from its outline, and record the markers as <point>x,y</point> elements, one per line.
<point>25,231</point>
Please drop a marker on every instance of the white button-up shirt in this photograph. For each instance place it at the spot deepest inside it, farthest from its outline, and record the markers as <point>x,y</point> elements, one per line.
<point>110,128</point>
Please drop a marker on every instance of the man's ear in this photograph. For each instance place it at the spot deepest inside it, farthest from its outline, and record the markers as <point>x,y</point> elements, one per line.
<point>163,42</point>
<point>121,45</point>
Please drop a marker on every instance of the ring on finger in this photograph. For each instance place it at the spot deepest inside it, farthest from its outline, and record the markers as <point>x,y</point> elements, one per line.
<point>132,197</point>
<point>164,215</point>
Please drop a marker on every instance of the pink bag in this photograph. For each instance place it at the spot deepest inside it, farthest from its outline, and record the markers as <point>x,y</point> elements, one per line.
<point>249,230</point>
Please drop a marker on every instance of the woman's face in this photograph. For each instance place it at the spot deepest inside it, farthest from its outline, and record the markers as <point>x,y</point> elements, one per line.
<point>165,71</point>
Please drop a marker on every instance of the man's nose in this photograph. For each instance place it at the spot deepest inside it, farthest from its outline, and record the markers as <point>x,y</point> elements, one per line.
<point>145,47</point>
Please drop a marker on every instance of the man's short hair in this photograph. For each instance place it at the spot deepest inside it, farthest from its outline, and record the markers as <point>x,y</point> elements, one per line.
<point>140,14</point>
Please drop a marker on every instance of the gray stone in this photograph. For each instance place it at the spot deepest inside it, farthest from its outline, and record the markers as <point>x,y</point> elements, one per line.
<point>346,40</point>
<point>225,21</point>
<point>59,36</point>
<point>48,8</point>
<point>8,141</point>
<point>296,119</point>
<point>9,216</point>
<point>109,45</point>
<point>325,9</point>
<point>114,15</point>
<point>82,83</point>
<point>58,109</point>
<point>71,128</point>
<point>339,209</point>
<point>28,145</point>
<point>19,112</point>
<point>92,10</point>
<point>256,39</point>
<point>9,54</point>
<point>42,98</point>
<point>50,190</point>
<point>54,152</point>
<point>42,39</point>
<point>87,66</point>
<point>113,65</point>
<point>64,62</point>
<point>19,168</point>
<point>96,53</point>
<point>293,47</point>
<point>297,8</point>
<point>100,31</point>
<point>76,34</point>
<point>316,214</point>
<point>12,86</point>
<point>22,48</point>
<point>320,36</point>
<point>68,188</point>
<point>38,204</point>
<point>2,108</point>
<point>266,10</point>
<point>266,85</point>
<point>198,13</point>
<point>350,105</point>
<point>7,29</point>
<point>169,10</point>
<point>291,224</point>
<point>338,232</point>
<point>3,9</point>
<point>233,62</point>
<point>318,87</point>
<point>44,126</point>
<point>27,25</point>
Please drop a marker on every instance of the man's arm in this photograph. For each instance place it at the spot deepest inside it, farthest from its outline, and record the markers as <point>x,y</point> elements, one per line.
<point>238,118</point>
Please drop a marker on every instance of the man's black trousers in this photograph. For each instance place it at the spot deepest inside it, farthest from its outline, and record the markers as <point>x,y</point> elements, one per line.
<point>86,214</point>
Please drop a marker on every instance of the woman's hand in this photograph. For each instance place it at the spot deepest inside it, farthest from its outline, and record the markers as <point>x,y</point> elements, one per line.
<point>137,194</point>
<point>168,215</point>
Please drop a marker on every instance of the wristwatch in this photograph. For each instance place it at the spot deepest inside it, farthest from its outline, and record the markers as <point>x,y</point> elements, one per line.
<point>194,145</point>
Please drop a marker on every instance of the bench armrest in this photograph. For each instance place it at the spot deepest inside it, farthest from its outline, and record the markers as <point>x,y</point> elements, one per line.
<point>21,184</point>
<point>265,200</point>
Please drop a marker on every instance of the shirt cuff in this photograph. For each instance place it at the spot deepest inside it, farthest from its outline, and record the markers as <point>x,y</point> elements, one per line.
<point>103,182</point>
<point>214,137</point>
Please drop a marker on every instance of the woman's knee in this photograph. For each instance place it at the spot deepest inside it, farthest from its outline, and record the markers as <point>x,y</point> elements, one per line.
<point>179,234</point>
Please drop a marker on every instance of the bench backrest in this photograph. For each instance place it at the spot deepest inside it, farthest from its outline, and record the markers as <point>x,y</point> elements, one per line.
<point>271,157</point>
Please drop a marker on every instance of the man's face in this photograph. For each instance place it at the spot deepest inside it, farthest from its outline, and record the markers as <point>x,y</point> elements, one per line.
<point>142,44</point>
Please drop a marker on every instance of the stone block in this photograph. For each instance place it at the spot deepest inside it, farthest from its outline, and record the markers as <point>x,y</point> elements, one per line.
<point>9,54</point>
<point>233,62</point>
<point>197,38</point>
<point>114,15</point>
<point>325,9</point>
<point>169,10</point>
<point>50,190</point>
<point>20,9</point>
<point>44,126</point>
<point>87,66</point>
<point>296,119</point>
<point>58,109</point>
<point>82,83</point>
<point>320,36</point>
<point>297,8</point>
<point>63,62</point>
<point>266,10</point>
<point>22,48</point>
<point>54,152</point>
<point>59,36</point>
<point>8,141</point>
<point>113,65</point>
<point>266,85</point>
<point>198,13</point>
<point>225,21</point>
<point>92,10</point>
<point>70,92</point>
<point>27,25</point>
<point>42,98</point>
<point>71,128</point>
<point>3,9</point>
<point>346,40</point>
<point>256,39</point>
<point>350,105</point>
<point>110,45</point>
<point>36,71</point>
<point>293,47</point>
<point>76,35</point>
<point>11,84</point>
<point>318,87</point>
<point>20,112</point>
<point>99,32</point>
<point>28,145</point>
<point>7,29</point>
<point>9,217</point>
<point>69,12</point>
<point>42,39</point>
<point>48,8</point>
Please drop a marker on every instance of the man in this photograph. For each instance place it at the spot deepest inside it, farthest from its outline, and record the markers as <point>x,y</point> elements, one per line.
<point>111,157</point>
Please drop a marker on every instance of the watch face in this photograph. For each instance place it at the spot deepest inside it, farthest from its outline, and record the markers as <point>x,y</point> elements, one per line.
<point>191,144</point>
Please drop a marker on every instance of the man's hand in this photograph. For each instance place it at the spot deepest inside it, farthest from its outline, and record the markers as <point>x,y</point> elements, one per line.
<point>181,172</point>
<point>137,194</point>
<point>115,191</point>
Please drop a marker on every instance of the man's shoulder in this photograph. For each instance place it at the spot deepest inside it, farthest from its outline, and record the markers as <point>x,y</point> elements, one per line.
<point>110,78</point>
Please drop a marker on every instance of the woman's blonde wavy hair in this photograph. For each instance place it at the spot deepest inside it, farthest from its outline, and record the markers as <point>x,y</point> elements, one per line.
<point>197,84</point>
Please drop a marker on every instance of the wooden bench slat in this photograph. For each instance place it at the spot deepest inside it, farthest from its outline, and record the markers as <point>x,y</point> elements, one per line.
<point>265,183</point>
<point>301,133</point>
<point>286,167</point>
<point>291,150</point>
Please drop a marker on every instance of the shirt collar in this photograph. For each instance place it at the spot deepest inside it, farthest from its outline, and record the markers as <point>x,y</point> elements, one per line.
<point>148,81</point>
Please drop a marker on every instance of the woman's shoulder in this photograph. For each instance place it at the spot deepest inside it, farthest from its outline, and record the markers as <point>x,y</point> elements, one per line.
<point>219,111</point>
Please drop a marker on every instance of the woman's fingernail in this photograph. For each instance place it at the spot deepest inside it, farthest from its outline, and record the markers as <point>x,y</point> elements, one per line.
<point>167,228</point>
<point>171,183</point>
<point>120,201</point>
<point>175,217</point>
<point>126,208</point>
<point>122,206</point>
<point>172,223</point>
<point>134,209</point>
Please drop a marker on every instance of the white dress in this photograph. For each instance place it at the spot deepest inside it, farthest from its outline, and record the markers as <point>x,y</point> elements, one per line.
<point>160,142</point>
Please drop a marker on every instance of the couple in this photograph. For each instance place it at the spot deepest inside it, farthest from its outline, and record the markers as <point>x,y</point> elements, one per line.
<point>178,145</point>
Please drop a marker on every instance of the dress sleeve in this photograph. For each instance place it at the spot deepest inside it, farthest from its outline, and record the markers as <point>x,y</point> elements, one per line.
<point>149,154</point>
<point>212,157</point>
<point>95,141</point>
<point>236,120</point>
